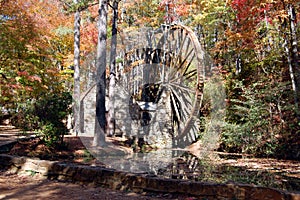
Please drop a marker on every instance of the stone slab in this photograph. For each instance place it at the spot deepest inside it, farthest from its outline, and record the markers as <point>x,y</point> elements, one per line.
<point>105,177</point>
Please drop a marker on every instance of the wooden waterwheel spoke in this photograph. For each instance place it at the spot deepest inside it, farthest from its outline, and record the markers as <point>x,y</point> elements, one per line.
<point>182,87</point>
<point>179,43</point>
<point>176,79</point>
<point>191,74</point>
<point>187,45</point>
<point>184,82</point>
<point>183,107</point>
<point>176,107</point>
<point>185,96</point>
<point>179,57</point>
<point>183,65</point>
<point>186,67</point>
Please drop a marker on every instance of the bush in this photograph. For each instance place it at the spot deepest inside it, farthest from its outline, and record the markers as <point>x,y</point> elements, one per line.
<point>45,115</point>
<point>212,113</point>
<point>250,126</point>
<point>50,134</point>
<point>23,116</point>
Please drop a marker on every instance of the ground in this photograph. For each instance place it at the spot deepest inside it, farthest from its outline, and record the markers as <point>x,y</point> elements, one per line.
<point>21,186</point>
<point>72,150</point>
<point>28,187</point>
<point>16,187</point>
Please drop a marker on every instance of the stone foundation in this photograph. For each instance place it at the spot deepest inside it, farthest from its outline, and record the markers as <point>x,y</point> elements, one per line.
<point>104,177</point>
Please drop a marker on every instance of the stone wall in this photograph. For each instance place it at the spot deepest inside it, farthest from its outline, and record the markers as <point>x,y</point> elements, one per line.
<point>88,114</point>
<point>99,176</point>
<point>155,134</point>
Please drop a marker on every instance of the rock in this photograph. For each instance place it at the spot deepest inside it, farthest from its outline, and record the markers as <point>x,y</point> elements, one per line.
<point>114,179</point>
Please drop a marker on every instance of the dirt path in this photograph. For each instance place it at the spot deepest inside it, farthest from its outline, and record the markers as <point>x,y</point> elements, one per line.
<point>8,134</point>
<point>283,174</point>
<point>24,187</point>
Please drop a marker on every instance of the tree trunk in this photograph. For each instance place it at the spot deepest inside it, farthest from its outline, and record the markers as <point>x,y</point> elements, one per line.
<point>76,92</point>
<point>112,76</point>
<point>291,70</point>
<point>238,64</point>
<point>267,32</point>
<point>100,121</point>
<point>295,58</point>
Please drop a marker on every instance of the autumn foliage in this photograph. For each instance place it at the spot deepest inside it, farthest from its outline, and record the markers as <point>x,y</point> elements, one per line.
<point>254,45</point>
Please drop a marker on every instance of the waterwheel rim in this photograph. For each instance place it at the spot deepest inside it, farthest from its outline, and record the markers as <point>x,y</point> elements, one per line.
<point>176,51</point>
<point>188,61</point>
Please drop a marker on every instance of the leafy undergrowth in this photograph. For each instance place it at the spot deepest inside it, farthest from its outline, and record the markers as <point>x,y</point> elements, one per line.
<point>281,174</point>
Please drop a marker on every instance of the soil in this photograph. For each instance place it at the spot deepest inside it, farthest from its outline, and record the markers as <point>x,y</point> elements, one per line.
<point>27,187</point>
<point>72,150</point>
<point>21,186</point>
<point>18,186</point>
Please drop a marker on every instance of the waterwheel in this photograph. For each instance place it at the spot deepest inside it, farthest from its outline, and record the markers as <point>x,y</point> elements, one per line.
<point>164,76</point>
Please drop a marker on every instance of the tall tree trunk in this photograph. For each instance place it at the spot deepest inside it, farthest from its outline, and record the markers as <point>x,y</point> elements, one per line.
<point>100,121</point>
<point>267,32</point>
<point>291,70</point>
<point>112,76</point>
<point>295,57</point>
<point>238,64</point>
<point>76,92</point>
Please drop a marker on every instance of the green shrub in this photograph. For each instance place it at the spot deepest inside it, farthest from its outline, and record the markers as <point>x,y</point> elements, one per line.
<point>212,113</point>
<point>24,117</point>
<point>45,115</point>
<point>250,127</point>
<point>49,134</point>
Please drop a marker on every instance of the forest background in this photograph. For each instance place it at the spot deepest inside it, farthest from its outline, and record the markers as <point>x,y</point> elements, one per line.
<point>254,46</point>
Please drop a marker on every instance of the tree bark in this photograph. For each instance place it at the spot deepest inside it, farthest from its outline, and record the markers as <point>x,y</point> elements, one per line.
<point>238,64</point>
<point>112,75</point>
<point>267,32</point>
<point>100,120</point>
<point>76,92</point>
<point>295,58</point>
<point>291,70</point>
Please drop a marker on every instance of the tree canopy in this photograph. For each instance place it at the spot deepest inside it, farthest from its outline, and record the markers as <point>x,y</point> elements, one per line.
<point>254,45</point>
